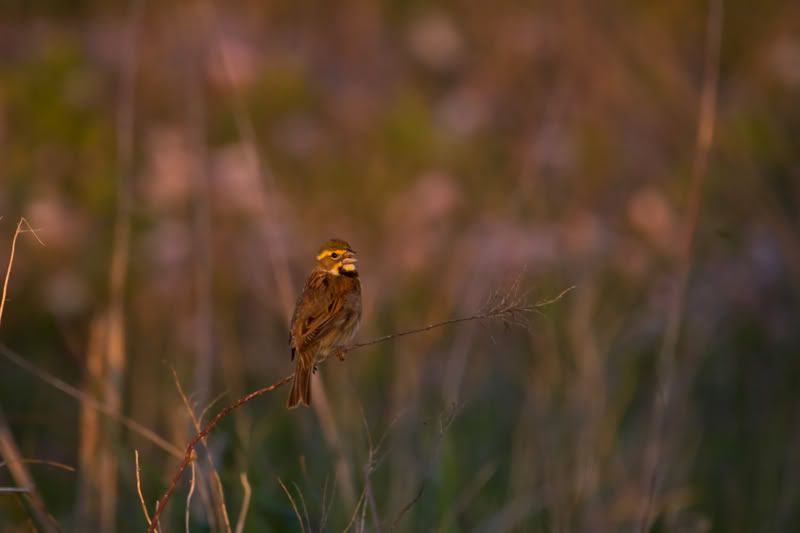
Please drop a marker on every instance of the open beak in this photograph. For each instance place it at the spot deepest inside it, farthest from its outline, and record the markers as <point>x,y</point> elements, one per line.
<point>349,261</point>
<point>349,258</point>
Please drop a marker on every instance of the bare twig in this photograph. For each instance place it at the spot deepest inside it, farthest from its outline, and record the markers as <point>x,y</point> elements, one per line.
<point>409,505</point>
<point>219,492</point>
<point>373,459</point>
<point>189,496</point>
<point>359,503</point>
<point>155,505</point>
<point>294,505</point>
<point>303,503</point>
<point>20,230</point>
<point>705,136</point>
<point>361,528</point>
<point>504,311</point>
<point>327,503</point>
<point>189,454</point>
<point>8,446</point>
<point>23,480</point>
<point>139,488</point>
<point>47,462</point>
<point>245,503</point>
<point>369,493</point>
<point>210,405</point>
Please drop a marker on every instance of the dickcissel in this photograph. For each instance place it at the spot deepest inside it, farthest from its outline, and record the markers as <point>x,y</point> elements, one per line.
<point>326,315</point>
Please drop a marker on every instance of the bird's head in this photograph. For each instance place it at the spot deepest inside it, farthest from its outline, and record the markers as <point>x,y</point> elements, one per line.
<point>338,258</point>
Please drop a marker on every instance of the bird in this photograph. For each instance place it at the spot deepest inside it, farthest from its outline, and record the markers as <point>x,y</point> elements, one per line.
<point>326,315</point>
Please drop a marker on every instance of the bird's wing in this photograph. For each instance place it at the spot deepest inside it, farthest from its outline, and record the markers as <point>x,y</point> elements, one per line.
<point>316,309</point>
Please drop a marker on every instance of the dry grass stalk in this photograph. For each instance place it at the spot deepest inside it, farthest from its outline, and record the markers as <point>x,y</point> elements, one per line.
<point>8,446</point>
<point>218,492</point>
<point>115,354</point>
<point>189,495</point>
<point>373,459</point>
<point>20,230</point>
<point>508,309</point>
<point>327,503</point>
<point>54,464</point>
<point>294,505</point>
<point>139,488</point>
<point>705,135</point>
<point>248,492</point>
<point>359,504</point>
<point>303,503</point>
<point>90,483</point>
<point>22,477</point>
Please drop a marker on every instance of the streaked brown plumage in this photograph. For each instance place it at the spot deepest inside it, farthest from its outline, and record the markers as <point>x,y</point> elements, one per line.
<point>326,315</point>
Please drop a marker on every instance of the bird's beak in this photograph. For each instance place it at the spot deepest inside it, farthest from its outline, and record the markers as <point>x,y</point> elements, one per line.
<point>349,258</point>
<point>349,261</point>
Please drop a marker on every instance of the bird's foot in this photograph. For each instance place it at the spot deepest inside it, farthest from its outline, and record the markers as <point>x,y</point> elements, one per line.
<point>340,354</point>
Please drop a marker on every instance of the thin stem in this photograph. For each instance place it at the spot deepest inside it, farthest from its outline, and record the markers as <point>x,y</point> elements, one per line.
<point>92,402</point>
<point>11,259</point>
<point>505,311</point>
<point>139,487</point>
<point>245,502</point>
<point>666,369</point>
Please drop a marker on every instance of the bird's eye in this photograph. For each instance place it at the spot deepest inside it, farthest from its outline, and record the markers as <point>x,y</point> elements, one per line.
<point>334,255</point>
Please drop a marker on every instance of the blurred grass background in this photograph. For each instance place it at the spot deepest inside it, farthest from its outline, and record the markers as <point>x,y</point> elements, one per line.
<point>183,161</point>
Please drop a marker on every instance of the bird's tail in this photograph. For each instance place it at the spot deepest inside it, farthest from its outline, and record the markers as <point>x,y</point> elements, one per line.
<point>301,385</point>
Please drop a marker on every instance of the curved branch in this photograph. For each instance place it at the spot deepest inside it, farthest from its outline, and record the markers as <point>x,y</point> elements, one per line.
<point>190,454</point>
<point>506,309</point>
